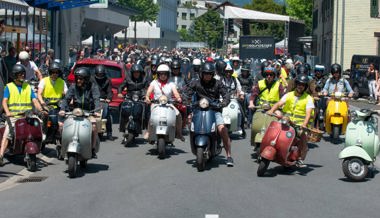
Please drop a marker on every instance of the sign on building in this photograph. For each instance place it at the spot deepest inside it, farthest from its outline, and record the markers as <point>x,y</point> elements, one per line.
<point>256,47</point>
<point>101,4</point>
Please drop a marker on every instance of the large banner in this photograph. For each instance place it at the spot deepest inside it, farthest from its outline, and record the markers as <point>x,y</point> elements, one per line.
<point>256,47</point>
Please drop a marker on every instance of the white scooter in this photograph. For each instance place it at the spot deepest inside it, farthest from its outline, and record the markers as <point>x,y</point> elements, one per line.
<point>162,125</point>
<point>77,140</point>
<point>233,117</point>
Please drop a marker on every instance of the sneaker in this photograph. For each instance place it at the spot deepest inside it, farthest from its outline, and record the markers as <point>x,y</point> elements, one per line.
<point>182,139</point>
<point>230,162</point>
<point>110,137</point>
<point>1,161</point>
<point>300,164</point>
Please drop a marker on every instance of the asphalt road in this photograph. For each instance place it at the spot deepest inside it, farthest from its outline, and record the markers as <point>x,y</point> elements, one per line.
<point>132,182</point>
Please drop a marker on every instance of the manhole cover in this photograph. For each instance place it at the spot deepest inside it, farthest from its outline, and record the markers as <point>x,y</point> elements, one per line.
<point>32,179</point>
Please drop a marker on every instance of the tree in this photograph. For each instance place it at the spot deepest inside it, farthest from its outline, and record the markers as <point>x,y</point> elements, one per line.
<point>184,35</point>
<point>208,28</point>
<point>301,9</point>
<point>274,29</point>
<point>147,11</point>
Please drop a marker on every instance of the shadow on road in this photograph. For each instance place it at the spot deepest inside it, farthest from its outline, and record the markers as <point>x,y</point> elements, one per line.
<point>7,174</point>
<point>91,168</point>
<point>293,170</point>
<point>170,151</point>
<point>210,164</point>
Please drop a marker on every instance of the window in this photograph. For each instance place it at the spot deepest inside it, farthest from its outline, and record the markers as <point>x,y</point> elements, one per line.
<point>374,8</point>
<point>184,15</point>
<point>192,16</point>
<point>183,26</point>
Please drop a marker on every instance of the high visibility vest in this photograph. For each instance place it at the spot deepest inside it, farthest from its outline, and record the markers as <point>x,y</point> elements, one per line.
<point>53,93</point>
<point>19,102</point>
<point>297,110</point>
<point>271,96</point>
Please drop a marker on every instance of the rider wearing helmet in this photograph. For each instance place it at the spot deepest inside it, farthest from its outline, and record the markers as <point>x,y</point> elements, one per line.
<point>18,98</point>
<point>83,94</point>
<point>105,89</point>
<point>236,66</point>
<point>176,76</point>
<point>299,106</point>
<point>193,74</point>
<point>246,82</point>
<point>31,69</point>
<point>336,83</point>
<point>220,66</point>
<point>311,90</point>
<point>209,87</point>
<point>163,86</point>
<point>268,90</point>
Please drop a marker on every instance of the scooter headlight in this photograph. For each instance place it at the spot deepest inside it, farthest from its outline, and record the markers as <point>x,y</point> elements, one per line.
<point>285,120</point>
<point>163,99</point>
<point>78,112</point>
<point>203,103</point>
<point>354,115</point>
<point>135,98</point>
<point>338,94</point>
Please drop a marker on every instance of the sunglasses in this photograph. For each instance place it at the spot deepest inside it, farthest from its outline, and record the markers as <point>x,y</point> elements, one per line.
<point>269,74</point>
<point>54,72</point>
<point>79,78</point>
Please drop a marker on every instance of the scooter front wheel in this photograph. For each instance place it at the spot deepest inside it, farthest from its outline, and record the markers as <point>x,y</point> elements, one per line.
<point>31,163</point>
<point>161,148</point>
<point>263,166</point>
<point>72,166</point>
<point>335,133</point>
<point>201,162</point>
<point>355,169</point>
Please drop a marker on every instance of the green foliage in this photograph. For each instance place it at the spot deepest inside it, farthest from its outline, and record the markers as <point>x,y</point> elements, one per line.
<point>301,9</point>
<point>208,28</point>
<point>148,11</point>
<point>184,35</point>
<point>267,29</point>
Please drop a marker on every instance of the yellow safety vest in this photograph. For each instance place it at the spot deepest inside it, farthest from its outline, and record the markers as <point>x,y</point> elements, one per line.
<point>19,102</point>
<point>297,110</point>
<point>284,75</point>
<point>53,93</point>
<point>271,96</point>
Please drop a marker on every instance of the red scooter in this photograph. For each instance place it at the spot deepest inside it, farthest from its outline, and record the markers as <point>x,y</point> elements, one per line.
<point>27,138</point>
<point>279,144</point>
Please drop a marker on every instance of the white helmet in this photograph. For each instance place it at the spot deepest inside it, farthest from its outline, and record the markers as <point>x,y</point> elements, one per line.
<point>228,67</point>
<point>23,55</point>
<point>163,68</point>
<point>289,61</point>
<point>197,61</point>
<point>235,58</point>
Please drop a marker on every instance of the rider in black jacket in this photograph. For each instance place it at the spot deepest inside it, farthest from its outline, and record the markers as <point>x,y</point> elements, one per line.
<point>105,89</point>
<point>210,88</point>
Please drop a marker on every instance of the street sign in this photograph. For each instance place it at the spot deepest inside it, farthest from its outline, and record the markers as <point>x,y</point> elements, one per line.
<point>101,4</point>
<point>256,47</point>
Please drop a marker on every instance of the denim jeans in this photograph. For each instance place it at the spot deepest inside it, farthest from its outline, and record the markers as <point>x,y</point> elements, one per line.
<point>372,89</point>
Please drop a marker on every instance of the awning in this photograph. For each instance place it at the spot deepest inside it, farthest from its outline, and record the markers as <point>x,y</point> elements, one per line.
<point>14,5</point>
<point>59,4</point>
<point>241,13</point>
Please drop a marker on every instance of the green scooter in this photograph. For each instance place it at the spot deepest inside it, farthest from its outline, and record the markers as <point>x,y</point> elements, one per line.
<point>260,123</point>
<point>361,145</point>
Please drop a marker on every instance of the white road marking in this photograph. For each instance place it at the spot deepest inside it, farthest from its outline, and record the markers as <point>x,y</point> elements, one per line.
<point>211,215</point>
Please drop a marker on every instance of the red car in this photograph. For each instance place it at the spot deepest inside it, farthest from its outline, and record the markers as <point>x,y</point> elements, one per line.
<point>116,71</point>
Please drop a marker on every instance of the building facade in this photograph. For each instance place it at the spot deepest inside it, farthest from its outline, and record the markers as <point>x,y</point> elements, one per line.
<point>163,32</point>
<point>342,28</point>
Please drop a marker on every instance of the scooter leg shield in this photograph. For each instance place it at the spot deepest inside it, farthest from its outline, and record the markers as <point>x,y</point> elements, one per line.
<point>354,151</point>
<point>201,140</point>
<point>31,148</point>
<point>269,153</point>
<point>336,120</point>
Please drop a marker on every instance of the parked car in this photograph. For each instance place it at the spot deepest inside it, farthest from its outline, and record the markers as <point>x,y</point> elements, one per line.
<point>115,70</point>
<point>358,78</point>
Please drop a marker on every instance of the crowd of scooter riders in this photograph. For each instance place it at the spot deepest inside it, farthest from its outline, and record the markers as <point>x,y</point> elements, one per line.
<point>234,89</point>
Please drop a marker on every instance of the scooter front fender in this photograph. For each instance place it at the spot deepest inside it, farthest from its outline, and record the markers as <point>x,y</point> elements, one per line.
<point>73,147</point>
<point>336,120</point>
<point>31,148</point>
<point>201,141</point>
<point>269,153</point>
<point>354,151</point>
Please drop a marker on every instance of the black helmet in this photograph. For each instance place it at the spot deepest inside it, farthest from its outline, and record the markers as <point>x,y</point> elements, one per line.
<point>137,68</point>
<point>336,68</point>
<point>54,67</point>
<point>83,72</point>
<point>246,67</point>
<point>308,67</point>
<point>176,64</point>
<point>302,78</point>
<point>100,71</point>
<point>18,69</point>
<point>208,68</point>
<point>302,70</point>
<point>220,66</point>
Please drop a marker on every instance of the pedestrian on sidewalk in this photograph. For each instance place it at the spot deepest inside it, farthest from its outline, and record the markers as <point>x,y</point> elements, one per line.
<point>372,77</point>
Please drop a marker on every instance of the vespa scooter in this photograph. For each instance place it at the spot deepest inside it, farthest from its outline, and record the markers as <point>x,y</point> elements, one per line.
<point>336,116</point>
<point>51,127</point>
<point>101,122</point>
<point>233,118</point>
<point>26,138</point>
<point>205,144</point>
<point>279,144</point>
<point>77,140</point>
<point>260,123</point>
<point>132,112</point>
<point>162,125</point>
<point>361,145</point>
